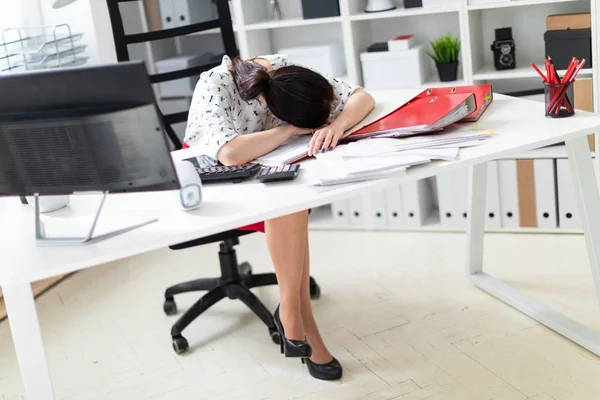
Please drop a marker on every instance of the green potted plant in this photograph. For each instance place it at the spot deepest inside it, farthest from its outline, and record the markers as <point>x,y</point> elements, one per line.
<point>444,52</point>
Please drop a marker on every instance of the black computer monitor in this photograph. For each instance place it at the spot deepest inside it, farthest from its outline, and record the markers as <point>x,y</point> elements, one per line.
<point>82,129</point>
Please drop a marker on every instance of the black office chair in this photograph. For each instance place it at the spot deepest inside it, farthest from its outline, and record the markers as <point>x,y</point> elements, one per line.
<point>236,279</point>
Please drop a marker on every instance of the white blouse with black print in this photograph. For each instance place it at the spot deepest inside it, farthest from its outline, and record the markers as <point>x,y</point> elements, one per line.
<point>218,114</point>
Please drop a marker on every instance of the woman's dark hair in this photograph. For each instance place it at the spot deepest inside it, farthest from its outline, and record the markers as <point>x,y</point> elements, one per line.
<point>296,95</point>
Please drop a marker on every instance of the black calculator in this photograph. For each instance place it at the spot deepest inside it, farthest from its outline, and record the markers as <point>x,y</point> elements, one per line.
<point>210,171</point>
<point>281,173</point>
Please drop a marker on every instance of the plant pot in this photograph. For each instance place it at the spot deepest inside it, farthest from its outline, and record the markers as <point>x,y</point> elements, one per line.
<point>447,72</point>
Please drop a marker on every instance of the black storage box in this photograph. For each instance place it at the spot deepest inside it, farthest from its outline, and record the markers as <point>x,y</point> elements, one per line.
<point>413,3</point>
<point>320,8</point>
<point>562,46</point>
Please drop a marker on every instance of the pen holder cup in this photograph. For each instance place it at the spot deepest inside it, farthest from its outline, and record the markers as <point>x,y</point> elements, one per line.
<point>559,101</point>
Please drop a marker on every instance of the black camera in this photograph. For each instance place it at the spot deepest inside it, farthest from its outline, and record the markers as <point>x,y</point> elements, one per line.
<point>504,49</point>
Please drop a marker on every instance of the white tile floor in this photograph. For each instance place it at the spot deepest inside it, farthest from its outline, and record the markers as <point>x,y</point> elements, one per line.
<point>396,310</point>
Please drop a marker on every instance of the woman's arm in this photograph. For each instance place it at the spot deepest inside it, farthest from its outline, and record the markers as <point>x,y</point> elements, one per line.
<point>246,148</point>
<point>357,107</point>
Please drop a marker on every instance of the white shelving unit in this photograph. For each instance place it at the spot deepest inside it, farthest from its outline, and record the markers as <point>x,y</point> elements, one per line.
<point>257,34</point>
<point>475,23</point>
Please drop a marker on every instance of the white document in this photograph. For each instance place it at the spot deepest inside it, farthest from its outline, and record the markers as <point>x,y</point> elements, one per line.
<point>393,205</point>
<point>567,202</point>
<point>417,201</point>
<point>340,213</point>
<point>388,147</point>
<point>328,178</point>
<point>168,13</point>
<point>492,217</point>
<point>356,208</point>
<point>445,154</point>
<point>509,194</point>
<point>545,193</point>
<point>333,169</point>
<point>376,219</point>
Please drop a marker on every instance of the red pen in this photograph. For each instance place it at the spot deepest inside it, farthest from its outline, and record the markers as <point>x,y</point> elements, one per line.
<point>535,67</point>
<point>581,64</point>
<point>569,70</point>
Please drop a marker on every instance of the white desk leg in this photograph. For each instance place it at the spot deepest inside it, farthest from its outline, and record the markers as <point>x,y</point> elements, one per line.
<point>475,230</point>
<point>589,203</point>
<point>27,337</point>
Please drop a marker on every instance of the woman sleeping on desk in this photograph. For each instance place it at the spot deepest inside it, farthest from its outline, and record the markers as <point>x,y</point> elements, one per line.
<point>244,109</point>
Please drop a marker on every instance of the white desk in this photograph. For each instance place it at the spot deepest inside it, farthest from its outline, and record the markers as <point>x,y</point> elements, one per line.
<point>520,125</point>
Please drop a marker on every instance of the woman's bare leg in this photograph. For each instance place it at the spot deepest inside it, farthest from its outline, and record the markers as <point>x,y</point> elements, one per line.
<point>320,354</point>
<point>287,242</point>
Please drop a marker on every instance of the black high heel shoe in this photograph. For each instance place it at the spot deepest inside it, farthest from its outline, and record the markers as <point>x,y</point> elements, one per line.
<point>327,372</point>
<point>291,348</point>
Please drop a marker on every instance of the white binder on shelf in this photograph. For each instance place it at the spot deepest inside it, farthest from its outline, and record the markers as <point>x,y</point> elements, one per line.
<point>567,202</point>
<point>194,11</point>
<point>417,202</point>
<point>393,207</point>
<point>340,213</point>
<point>509,193</point>
<point>446,203</point>
<point>168,13</point>
<point>356,209</point>
<point>460,179</point>
<point>492,202</point>
<point>377,214</point>
<point>545,193</point>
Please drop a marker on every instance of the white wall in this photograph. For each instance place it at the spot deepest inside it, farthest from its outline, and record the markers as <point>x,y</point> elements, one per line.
<point>12,13</point>
<point>89,17</point>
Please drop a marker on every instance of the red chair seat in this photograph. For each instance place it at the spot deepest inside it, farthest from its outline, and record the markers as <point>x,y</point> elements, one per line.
<point>258,227</point>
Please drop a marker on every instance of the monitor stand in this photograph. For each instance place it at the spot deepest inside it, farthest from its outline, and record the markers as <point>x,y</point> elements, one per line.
<point>43,240</point>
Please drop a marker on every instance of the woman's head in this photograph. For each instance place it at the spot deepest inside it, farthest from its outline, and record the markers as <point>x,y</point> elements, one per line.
<point>296,95</point>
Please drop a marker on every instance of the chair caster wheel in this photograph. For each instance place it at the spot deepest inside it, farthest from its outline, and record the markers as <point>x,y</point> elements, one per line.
<point>180,344</point>
<point>315,292</point>
<point>245,269</point>
<point>275,335</point>
<point>169,306</point>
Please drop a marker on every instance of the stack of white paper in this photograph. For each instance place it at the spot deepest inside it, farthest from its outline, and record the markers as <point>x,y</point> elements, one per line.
<point>333,168</point>
<point>382,157</point>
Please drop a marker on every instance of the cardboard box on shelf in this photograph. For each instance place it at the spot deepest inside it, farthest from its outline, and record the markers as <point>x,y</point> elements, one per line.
<point>561,22</point>
<point>584,100</point>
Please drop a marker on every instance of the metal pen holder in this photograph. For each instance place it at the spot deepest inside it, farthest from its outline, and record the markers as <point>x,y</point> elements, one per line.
<point>559,100</point>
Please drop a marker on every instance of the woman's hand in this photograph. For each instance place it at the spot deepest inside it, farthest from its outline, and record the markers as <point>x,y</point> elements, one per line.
<point>325,139</point>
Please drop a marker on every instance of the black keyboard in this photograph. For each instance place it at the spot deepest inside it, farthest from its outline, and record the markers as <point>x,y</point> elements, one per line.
<point>228,173</point>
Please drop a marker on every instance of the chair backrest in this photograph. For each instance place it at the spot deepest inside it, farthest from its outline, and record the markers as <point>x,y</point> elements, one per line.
<point>122,41</point>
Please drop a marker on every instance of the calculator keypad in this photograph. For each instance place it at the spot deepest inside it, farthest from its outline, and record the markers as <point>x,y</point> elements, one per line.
<point>280,173</point>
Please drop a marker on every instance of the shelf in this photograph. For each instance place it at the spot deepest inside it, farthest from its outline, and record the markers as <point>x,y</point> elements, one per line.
<point>515,3</point>
<point>289,23</point>
<point>490,73</point>
<point>213,31</point>
<point>320,220</point>
<point>402,12</point>
<point>434,81</point>
<point>181,95</point>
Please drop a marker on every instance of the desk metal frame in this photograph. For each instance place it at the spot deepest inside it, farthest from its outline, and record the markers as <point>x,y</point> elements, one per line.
<point>588,198</point>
